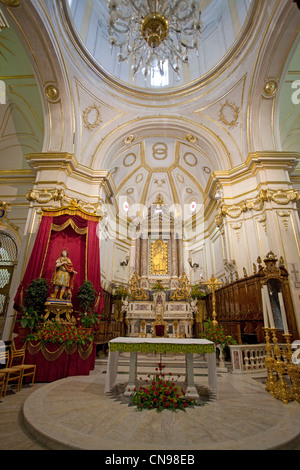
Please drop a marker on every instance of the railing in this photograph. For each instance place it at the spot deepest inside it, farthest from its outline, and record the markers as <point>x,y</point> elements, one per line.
<point>248,358</point>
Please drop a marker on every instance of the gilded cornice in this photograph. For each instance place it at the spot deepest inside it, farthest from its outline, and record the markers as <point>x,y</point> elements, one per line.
<point>255,162</point>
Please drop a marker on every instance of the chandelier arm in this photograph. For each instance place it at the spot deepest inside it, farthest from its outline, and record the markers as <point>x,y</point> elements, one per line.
<point>121,31</point>
<point>136,8</point>
<point>190,11</point>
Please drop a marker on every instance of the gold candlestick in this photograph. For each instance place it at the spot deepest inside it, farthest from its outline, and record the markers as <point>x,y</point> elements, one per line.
<point>288,351</point>
<point>269,360</point>
<point>281,390</point>
<point>213,284</point>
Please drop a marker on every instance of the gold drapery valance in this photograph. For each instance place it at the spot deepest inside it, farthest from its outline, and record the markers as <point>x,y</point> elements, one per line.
<point>58,228</point>
<point>72,209</point>
<point>35,348</point>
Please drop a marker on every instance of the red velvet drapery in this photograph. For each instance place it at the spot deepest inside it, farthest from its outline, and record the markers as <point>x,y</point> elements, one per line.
<point>77,235</point>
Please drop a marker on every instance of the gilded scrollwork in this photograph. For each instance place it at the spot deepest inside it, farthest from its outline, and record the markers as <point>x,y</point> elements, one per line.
<point>278,196</point>
<point>136,292</point>
<point>43,196</point>
<point>46,195</point>
<point>184,290</point>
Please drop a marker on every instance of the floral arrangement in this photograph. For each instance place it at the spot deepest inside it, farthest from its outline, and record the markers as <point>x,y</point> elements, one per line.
<point>196,292</point>
<point>120,293</point>
<point>53,332</point>
<point>216,334</point>
<point>158,286</point>
<point>161,394</point>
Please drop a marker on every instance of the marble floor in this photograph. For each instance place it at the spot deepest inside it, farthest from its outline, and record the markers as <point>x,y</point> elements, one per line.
<point>74,413</point>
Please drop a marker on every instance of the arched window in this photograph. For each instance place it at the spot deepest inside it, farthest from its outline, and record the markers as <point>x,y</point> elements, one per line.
<point>8,258</point>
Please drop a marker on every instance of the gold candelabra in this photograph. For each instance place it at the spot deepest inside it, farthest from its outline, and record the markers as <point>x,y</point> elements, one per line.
<point>283,381</point>
<point>213,284</point>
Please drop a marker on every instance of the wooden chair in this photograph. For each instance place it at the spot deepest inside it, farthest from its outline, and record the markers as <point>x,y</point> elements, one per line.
<point>2,382</point>
<point>18,359</point>
<point>12,374</point>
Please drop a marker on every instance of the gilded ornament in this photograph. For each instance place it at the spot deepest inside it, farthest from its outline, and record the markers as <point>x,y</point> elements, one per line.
<point>180,178</point>
<point>184,290</point>
<point>159,199</point>
<point>235,110</point>
<point>3,216</point>
<point>52,92</point>
<point>160,151</point>
<point>136,292</point>
<point>130,138</point>
<point>43,196</point>
<point>190,159</point>
<point>139,178</point>
<point>235,210</point>
<point>191,138</point>
<point>270,88</point>
<point>280,196</point>
<point>129,159</point>
<point>206,170</point>
<point>92,109</point>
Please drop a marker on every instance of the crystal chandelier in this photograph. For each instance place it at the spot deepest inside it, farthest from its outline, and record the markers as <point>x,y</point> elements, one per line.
<point>154,33</point>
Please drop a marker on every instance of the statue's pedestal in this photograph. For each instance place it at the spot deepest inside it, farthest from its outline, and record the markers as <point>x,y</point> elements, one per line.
<point>59,310</point>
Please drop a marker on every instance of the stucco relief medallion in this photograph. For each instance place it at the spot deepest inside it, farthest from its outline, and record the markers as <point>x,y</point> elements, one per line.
<point>92,117</point>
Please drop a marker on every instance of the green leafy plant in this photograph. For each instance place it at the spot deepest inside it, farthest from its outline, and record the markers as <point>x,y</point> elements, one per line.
<point>121,293</point>
<point>86,298</point>
<point>158,286</point>
<point>162,393</point>
<point>36,295</point>
<point>197,293</point>
<point>216,334</point>
<point>30,318</point>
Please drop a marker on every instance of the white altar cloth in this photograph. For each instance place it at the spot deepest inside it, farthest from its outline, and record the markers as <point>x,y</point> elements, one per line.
<point>187,346</point>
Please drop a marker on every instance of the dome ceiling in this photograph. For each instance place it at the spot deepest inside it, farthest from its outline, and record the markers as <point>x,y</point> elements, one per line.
<point>223,22</point>
<point>151,162</point>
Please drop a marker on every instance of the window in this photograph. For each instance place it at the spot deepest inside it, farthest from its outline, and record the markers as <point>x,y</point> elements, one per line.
<point>159,79</point>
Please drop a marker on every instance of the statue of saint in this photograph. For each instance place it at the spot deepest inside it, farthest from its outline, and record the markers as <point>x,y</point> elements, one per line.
<point>63,277</point>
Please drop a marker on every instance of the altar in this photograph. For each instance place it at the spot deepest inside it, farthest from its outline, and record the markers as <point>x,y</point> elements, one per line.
<point>159,301</point>
<point>187,346</point>
<point>148,310</point>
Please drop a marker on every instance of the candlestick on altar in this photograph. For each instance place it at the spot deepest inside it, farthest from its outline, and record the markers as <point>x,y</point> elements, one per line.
<point>213,283</point>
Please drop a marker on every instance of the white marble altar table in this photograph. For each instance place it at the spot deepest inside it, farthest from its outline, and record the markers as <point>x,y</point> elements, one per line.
<point>187,346</point>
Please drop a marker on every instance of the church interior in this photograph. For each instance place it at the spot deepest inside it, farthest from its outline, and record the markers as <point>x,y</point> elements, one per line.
<point>150,203</point>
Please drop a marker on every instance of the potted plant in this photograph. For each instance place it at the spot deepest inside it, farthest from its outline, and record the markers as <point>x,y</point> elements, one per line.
<point>28,322</point>
<point>35,297</point>
<point>120,293</point>
<point>87,297</point>
<point>197,293</point>
<point>158,286</point>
